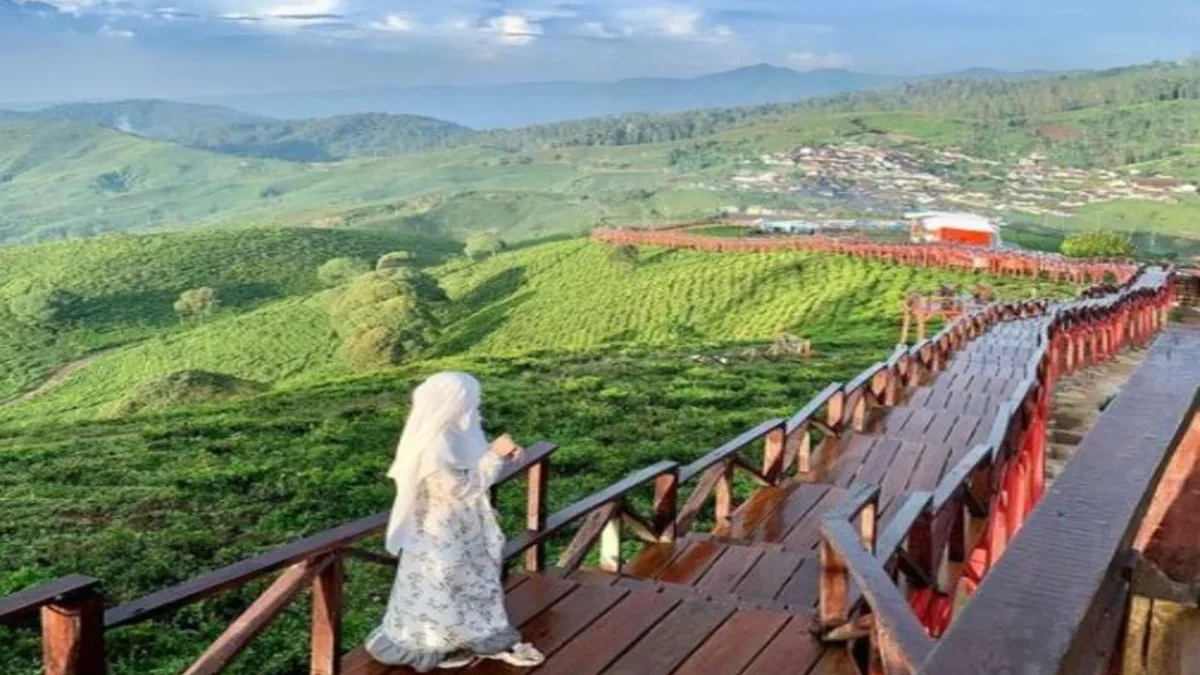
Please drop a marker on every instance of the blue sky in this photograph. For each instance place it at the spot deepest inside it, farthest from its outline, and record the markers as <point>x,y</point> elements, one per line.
<point>69,49</point>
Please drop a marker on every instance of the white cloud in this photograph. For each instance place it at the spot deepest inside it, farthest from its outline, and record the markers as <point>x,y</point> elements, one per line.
<point>109,31</point>
<point>676,20</point>
<point>395,23</point>
<point>596,29</point>
<point>807,60</point>
<point>512,29</point>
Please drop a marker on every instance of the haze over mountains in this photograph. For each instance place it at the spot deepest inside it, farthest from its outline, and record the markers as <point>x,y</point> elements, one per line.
<point>498,106</point>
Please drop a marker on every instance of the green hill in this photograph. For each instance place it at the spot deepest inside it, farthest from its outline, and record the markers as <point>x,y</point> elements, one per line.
<point>119,289</point>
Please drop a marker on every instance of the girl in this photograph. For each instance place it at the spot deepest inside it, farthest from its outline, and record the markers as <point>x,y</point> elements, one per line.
<point>447,605</point>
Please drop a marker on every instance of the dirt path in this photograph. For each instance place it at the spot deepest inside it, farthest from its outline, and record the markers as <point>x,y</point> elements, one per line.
<point>57,377</point>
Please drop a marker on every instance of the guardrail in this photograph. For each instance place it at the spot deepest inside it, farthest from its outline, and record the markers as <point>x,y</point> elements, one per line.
<point>960,532</point>
<point>997,262</point>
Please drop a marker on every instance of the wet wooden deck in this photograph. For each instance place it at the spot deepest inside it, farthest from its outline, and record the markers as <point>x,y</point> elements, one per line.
<point>742,599</point>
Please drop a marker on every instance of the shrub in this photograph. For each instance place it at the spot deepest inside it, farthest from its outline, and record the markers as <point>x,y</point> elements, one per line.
<point>625,254</point>
<point>394,260</point>
<point>370,348</point>
<point>41,306</point>
<point>337,271</point>
<point>1099,245</point>
<point>185,386</point>
<point>482,245</point>
<point>197,302</point>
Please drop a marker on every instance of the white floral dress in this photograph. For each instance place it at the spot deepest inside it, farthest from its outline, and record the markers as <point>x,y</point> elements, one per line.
<point>448,596</point>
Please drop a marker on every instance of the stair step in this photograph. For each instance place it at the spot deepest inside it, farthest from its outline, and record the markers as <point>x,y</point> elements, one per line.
<point>693,593</point>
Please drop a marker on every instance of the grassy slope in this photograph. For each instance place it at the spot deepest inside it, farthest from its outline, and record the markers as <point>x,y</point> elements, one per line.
<point>128,284</point>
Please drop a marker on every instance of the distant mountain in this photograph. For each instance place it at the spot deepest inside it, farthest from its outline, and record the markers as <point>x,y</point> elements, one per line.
<point>333,138</point>
<point>221,129</point>
<point>152,118</point>
<point>510,105</point>
<point>523,104</point>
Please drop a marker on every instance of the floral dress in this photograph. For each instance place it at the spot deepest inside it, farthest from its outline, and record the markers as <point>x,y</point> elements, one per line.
<point>448,596</point>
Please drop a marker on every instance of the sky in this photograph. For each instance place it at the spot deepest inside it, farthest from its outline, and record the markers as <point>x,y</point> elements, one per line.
<point>53,50</point>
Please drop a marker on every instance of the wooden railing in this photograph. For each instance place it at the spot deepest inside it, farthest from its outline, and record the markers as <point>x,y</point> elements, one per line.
<point>992,261</point>
<point>939,531</point>
<point>74,623</point>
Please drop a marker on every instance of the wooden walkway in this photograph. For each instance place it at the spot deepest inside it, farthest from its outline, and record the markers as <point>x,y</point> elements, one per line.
<point>743,598</point>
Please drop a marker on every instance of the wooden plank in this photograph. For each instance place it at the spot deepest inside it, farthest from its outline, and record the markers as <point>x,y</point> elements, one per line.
<point>607,638</point>
<point>883,452</point>
<point>757,508</point>
<point>729,570</point>
<point>797,505</point>
<point>535,595</point>
<point>900,472</point>
<point>803,588</point>
<point>805,535</point>
<point>939,429</point>
<point>929,470</point>
<point>1073,542</point>
<point>849,460</point>
<point>914,428</point>
<point>770,573</point>
<point>653,559</point>
<point>794,649</point>
<point>671,641</point>
<point>555,627</point>
<point>688,566</point>
<point>735,644</point>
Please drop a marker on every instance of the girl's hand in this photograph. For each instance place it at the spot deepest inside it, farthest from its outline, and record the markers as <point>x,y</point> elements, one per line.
<point>505,446</point>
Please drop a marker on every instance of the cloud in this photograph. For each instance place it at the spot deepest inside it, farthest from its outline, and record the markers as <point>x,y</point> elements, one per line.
<point>676,20</point>
<point>807,60</point>
<point>512,29</point>
<point>395,23</point>
<point>119,33</point>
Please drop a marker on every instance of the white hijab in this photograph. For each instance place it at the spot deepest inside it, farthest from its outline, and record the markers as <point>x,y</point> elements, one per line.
<point>443,431</point>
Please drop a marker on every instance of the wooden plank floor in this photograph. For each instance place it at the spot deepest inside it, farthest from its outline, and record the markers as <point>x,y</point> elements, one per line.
<point>740,600</point>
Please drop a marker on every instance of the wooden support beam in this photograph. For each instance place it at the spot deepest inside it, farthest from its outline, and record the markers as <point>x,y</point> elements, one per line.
<point>73,635</point>
<point>258,617</point>
<point>572,557</point>
<point>327,598</point>
<point>610,546</point>
<point>538,479</point>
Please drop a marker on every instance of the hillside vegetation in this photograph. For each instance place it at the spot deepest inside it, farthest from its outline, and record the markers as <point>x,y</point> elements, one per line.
<point>120,289</point>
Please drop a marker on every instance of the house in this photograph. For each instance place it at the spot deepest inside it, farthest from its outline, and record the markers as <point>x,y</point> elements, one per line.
<point>954,228</point>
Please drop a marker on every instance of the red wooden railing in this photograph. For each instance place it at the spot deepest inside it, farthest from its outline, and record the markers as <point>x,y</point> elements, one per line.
<point>963,528</point>
<point>992,261</point>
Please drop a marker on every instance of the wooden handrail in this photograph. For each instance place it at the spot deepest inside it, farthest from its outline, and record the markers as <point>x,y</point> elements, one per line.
<point>19,605</point>
<point>245,571</point>
<point>561,519</point>
<point>728,448</point>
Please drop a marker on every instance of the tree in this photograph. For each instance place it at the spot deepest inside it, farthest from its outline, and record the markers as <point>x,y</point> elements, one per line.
<point>483,244</point>
<point>197,302</point>
<point>394,260</point>
<point>1098,245</point>
<point>337,271</point>
<point>40,306</point>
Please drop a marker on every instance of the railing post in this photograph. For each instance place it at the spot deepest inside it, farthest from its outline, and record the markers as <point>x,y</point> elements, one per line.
<point>833,606</point>
<point>537,479</point>
<point>610,544</point>
<point>724,493</point>
<point>666,495</point>
<point>803,449</point>
<point>327,596</point>
<point>73,635</point>
<point>773,453</point>
<point>837,410</point>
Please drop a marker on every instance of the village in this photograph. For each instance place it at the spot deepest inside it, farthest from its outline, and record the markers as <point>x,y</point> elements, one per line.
<point>888,181</point>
